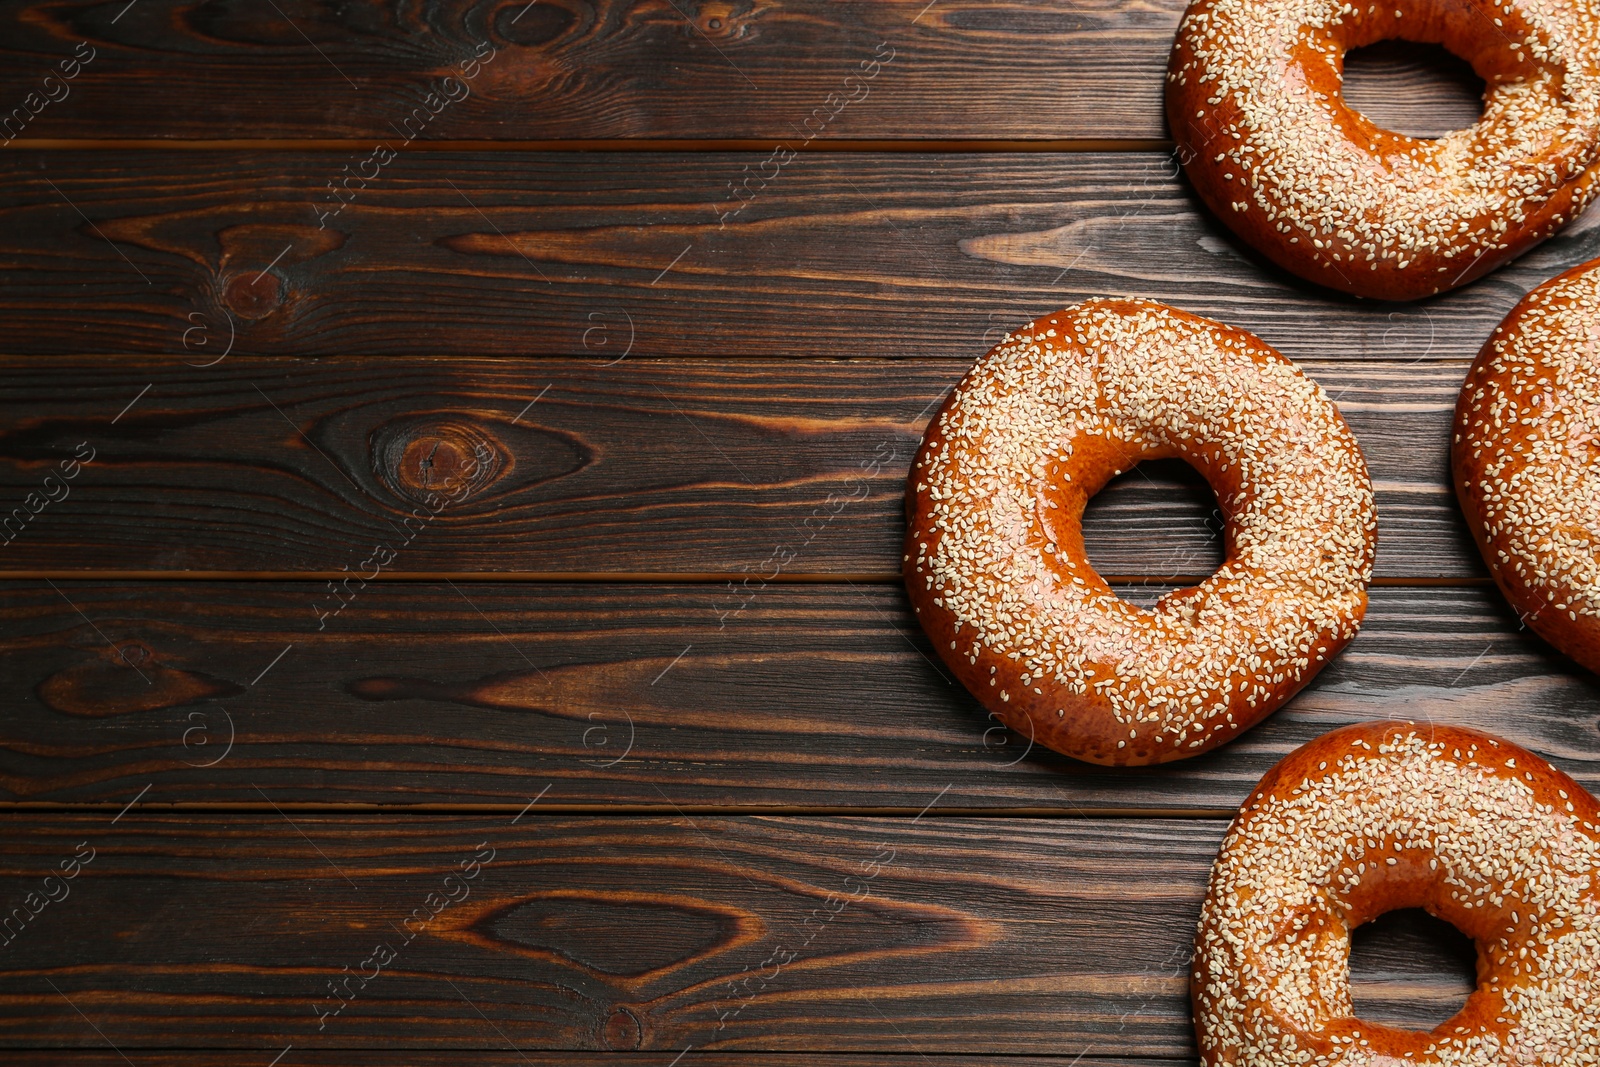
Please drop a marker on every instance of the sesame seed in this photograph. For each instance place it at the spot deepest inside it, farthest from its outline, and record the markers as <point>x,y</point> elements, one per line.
<point>1036,421</point>
<point>1528,444</point>
<point>1477,843</point>
<point>1261,80</point>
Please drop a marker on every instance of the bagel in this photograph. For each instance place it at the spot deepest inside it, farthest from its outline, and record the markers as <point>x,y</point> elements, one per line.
<point>1255,105</point>
<point>1388,815</point>
<point>1527,438</point>
<point>994,555</point>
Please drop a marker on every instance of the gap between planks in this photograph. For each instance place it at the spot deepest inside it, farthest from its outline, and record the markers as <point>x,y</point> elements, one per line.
<point>624,577</point>
<point>434,1056</point>
<point>968,145</point>
<point>552,808</point>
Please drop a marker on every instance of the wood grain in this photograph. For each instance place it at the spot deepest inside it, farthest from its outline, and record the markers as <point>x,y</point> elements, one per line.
<point>602,737</point>
<point>1430,945</point>
<point>645,697</point>
<point>591,255</point>
<point>490,1057</point>
<point>1415,89</point>
<point>790,934</point>
<point>567,466</point>
<point>609,69</point>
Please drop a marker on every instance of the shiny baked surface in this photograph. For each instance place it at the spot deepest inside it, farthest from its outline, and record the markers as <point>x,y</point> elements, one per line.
<point>1386,815</point>
<point>995,562</point>
<point>1524,450</point>
<point>1254,100</point>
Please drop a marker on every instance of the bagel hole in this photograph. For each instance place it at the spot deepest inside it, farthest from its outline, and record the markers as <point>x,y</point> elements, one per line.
<point>1411,970</point>
<point>1154,526</point>
<point>1419,90</point>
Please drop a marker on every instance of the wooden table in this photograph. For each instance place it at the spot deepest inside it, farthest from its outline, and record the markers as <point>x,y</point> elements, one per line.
<point>475,636</point>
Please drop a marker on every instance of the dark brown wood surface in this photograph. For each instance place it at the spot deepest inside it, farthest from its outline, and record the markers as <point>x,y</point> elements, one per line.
<point>647,371</point>
<point>561,69</point>
<point>592,255</point>
<point>566,466</point>
<point>645,696</point>
<point>77,1057</point>
<point>841,934</point>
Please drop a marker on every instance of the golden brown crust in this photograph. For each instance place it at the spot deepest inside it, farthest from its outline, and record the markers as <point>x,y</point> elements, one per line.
<point>1254,101</point>
<point>1387,815</point>
<point>1526,460</point>
<point>995,561</point>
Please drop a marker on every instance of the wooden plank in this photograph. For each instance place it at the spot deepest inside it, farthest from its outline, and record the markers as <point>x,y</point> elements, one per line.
<point>790,934</point>
<point>1416,89</point>
<point>728,467</point>
<point>810,696</point>
<point>488,1057</point>
<point>956,69</point>
<point>838,256</point>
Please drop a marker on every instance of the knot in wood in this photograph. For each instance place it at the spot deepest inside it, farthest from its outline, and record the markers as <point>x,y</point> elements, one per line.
<point>438,457</point>
<point>622,1031</point>
<point>719,18</point>
<point>253,295</point>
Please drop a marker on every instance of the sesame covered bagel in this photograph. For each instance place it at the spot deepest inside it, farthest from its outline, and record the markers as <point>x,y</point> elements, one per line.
<point>1255,103</point>
<point>1525,449</point>
<point>994,552</point>
<point>1387,815</point>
